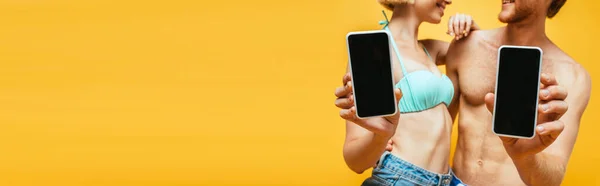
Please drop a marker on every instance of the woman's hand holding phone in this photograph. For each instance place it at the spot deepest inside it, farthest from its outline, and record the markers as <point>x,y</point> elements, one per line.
<point>382,126</point>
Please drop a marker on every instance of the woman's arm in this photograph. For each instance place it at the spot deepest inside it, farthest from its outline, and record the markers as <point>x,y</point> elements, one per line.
<point>362,148</point>
<point>459,27</point>
<point>366,139</point>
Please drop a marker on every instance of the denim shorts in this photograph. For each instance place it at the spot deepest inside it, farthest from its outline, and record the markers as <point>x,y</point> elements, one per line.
<point>393,171</point>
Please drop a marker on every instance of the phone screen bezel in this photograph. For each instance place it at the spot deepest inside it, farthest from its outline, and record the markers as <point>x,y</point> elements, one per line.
<point>540,52</point>
<point>390,67</point>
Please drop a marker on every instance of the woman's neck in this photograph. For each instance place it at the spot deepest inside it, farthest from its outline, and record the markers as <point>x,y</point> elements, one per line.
<point>404,26</point>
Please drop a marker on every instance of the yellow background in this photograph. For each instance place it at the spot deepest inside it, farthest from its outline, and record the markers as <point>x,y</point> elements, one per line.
<point>131,92</point>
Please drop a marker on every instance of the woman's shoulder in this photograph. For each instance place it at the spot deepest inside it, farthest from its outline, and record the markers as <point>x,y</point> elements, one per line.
<point>434,45</point>
<point>436,48</point>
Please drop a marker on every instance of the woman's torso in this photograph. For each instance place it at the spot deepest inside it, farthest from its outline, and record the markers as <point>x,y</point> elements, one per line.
<point>422,137</point>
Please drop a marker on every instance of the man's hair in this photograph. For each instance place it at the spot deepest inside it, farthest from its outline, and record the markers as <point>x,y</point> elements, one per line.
<point>555,7</point>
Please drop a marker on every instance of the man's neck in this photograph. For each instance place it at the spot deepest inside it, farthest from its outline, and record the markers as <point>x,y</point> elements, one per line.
<point>404,26</point>
<point>525,33</point>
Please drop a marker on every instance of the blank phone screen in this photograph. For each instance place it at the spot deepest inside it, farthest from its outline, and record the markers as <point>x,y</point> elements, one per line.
<point>372,74</point>
<point>517,91</point>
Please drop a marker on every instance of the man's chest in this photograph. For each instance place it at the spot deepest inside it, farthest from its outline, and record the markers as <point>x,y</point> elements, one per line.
<point>477,76</point>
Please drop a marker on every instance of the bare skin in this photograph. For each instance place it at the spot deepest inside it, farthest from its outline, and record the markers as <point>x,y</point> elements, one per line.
<point>422,138</point>
<point>481,157</point>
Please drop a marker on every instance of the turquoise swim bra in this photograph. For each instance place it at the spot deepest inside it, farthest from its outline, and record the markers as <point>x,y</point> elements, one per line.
<point>421,89</point>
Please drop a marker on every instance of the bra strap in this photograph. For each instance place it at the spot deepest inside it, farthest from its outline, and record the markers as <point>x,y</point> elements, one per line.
<point>404,73</point>
<point>427,52</point>
<point>395,46</point>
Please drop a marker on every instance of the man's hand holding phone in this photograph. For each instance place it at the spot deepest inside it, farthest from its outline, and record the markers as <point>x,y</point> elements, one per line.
<point>552,106</point>
<point>382,126</point>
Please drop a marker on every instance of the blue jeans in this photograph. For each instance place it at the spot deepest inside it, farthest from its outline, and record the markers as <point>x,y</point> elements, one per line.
<point>393,171</point>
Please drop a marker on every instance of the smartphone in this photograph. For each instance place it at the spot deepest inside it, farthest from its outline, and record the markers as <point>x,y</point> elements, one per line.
<point>517,91</point>
<point>370,62</point>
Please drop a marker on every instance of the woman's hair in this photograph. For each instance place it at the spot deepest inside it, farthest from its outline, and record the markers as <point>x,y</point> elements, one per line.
<point>389,4</point>
<point>553,9</point>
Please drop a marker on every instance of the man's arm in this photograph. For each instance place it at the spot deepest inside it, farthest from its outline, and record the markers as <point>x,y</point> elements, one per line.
<point>549,166</point>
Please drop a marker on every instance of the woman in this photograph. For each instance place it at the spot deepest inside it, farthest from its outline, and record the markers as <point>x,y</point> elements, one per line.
<point>420,138</point>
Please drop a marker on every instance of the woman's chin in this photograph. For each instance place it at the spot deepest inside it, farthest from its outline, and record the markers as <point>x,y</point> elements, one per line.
<point>435,20</point>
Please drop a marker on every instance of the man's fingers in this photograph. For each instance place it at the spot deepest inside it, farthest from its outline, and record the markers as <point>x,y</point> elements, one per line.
<point>489,102</point>
<point>345,103</point>
<point>342,92</point>
<point>508,140</point>
<point>550,129</point>
<point>553,92</point>
<point>548,79</point>
<point>554,107</point>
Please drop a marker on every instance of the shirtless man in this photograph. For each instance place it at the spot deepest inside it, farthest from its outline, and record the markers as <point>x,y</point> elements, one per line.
<point>481,157</point>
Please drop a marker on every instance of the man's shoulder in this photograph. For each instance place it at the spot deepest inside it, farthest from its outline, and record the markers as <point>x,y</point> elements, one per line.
<point>477,39</point>
<point>477,44</point>
<point>561,61</point>
<point>575,79</point>
<point>572,74</point>
<point>489,34</point>
<point>559,56</point>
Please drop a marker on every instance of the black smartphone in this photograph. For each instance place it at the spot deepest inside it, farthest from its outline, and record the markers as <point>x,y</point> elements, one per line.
<point>370,62</point>
<point>517,91</point>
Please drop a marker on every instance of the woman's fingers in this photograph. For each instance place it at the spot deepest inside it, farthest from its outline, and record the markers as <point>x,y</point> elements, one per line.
<point>456,26</point>
<point>461,26</point>
<point>451,26</point>
<point>469,22</point>
<point>349,114</point>
<point>346,78</point>
<point>345,103</point>
<point>342,92</point>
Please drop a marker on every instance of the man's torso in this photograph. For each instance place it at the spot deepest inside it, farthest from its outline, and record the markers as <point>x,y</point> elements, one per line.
<point>480,158</point>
